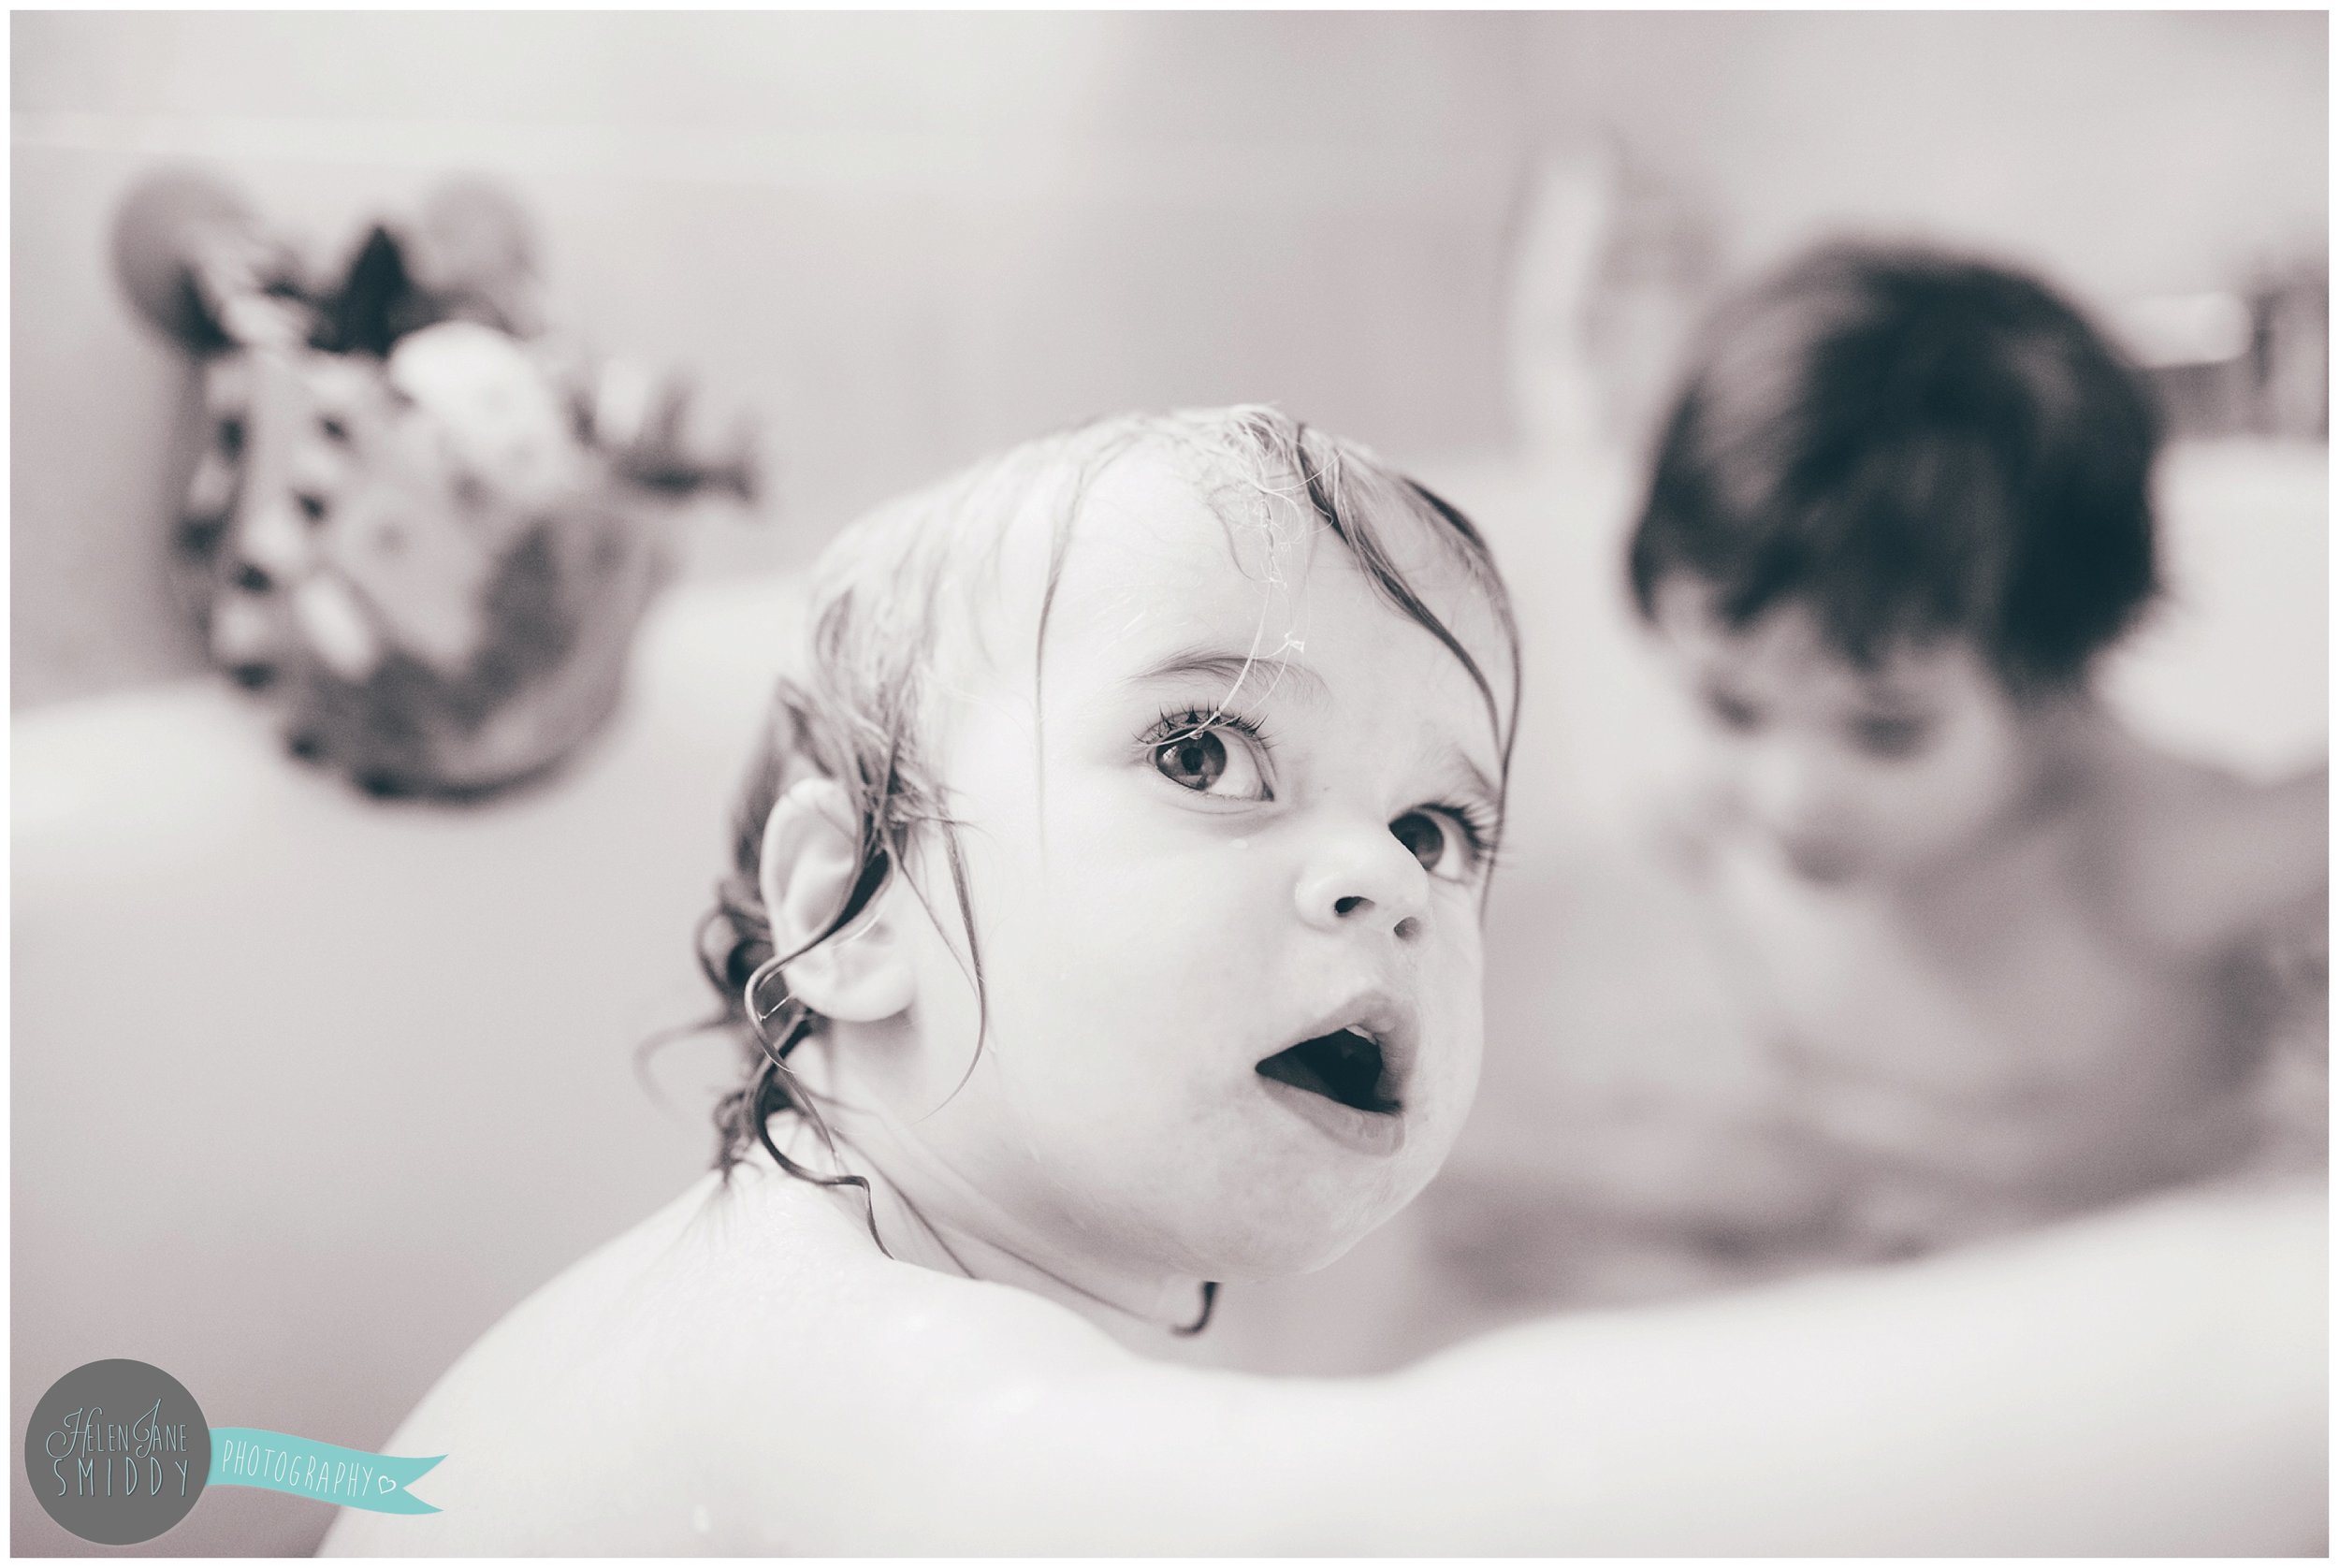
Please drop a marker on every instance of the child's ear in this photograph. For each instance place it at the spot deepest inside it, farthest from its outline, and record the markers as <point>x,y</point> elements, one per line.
<point>811,860</point>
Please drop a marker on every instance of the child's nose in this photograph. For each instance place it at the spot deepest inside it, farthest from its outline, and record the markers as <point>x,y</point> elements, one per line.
<point>1797,788</point>
<point>1364,879</point>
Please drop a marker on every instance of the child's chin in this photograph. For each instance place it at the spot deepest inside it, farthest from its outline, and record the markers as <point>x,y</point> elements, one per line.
<point>1286,1239</point>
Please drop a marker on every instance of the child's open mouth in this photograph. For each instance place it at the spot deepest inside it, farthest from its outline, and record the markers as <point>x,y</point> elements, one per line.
<point>1344,1066</point>
<point>1350,1080</point>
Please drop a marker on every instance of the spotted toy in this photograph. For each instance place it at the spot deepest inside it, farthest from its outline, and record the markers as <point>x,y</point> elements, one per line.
<point>418,525</point>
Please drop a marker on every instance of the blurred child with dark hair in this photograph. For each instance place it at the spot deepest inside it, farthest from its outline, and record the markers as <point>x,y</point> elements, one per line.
<point>2010,960</point>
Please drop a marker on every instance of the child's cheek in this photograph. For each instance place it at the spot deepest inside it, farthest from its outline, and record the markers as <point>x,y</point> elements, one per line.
<point>1177,907</point>
<point>1455,1002</point>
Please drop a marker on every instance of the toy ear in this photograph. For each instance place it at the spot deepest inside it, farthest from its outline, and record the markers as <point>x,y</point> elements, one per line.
<point>164,227</point>
<point>474,251</point>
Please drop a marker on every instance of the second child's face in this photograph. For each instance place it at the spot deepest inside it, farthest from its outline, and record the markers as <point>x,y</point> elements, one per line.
<point>1228,918</point>
<point>1847,774</point>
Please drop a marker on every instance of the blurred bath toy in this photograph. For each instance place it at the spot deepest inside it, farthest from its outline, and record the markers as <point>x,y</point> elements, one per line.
<point>426,528</point>
<point>473,252</point>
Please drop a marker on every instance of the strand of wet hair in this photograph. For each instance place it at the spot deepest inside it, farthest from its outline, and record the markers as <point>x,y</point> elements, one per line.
<point>831,1141</point>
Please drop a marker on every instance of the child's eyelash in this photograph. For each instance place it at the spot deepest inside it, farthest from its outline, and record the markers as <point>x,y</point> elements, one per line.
<point>1181,723</point>
<point>1479,825</point>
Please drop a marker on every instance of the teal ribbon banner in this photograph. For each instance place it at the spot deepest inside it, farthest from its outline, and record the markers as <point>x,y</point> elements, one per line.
<point>247,1457</point>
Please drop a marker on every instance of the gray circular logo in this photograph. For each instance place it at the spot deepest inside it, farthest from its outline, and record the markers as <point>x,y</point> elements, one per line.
<point>118,1452</point>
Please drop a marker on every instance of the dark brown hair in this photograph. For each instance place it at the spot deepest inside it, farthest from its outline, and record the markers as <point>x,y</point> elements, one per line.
<point>1909,443</point>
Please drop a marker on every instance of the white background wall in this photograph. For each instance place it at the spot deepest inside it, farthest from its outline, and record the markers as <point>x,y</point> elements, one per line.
<point>910,239</point>
<point>2131,153</point>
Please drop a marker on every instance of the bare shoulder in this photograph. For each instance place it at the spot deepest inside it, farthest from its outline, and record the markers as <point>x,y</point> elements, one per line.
<point>516,1416</point>
<point>744,1372</point>
<point>2201,860</point>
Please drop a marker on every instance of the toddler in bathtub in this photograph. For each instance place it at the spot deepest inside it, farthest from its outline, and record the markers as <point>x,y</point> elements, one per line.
<point>2014,961</point>
<point>1104,922</point>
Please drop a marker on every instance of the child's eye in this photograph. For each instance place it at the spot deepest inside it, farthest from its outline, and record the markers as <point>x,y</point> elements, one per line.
<point>1882,736</point>
<point>1193,751</point>
<point>1733,711</point>
<point>1446,842</point>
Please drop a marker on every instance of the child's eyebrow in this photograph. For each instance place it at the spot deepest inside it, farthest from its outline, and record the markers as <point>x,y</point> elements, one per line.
<point>1479,783</point>
<point>1460,778</point>
<point>1894,696</point>
<point>1255,675</point>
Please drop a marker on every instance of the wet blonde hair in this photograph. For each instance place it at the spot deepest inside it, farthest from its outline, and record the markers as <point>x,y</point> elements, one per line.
<point>895,585</point>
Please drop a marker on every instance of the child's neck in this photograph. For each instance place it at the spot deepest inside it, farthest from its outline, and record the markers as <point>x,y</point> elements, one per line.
<point>926,1213</point>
